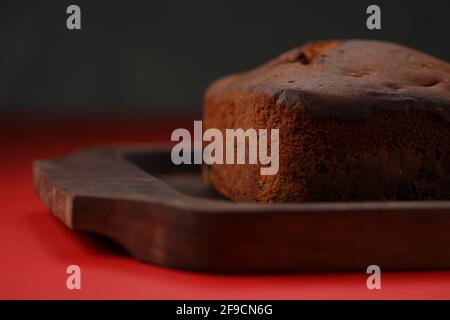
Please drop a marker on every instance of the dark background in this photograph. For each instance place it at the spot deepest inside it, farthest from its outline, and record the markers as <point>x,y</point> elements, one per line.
<point>157,57</point>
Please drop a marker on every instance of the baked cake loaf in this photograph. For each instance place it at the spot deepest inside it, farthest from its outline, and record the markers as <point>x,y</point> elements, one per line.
<point>357,120</point>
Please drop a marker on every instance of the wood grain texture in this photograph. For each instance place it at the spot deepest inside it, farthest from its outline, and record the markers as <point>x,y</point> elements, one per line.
<point>164,214</point>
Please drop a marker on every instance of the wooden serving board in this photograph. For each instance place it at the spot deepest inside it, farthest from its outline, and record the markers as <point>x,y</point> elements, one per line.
<point>164,214</point>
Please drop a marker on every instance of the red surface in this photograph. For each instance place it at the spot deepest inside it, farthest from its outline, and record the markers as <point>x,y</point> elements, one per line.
<point>35,248</point>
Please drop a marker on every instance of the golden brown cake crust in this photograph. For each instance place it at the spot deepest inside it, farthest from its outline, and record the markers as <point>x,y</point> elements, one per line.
<point>358,120</point>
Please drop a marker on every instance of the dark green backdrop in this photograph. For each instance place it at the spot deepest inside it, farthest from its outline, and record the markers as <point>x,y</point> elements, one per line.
<point>158,56</point>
